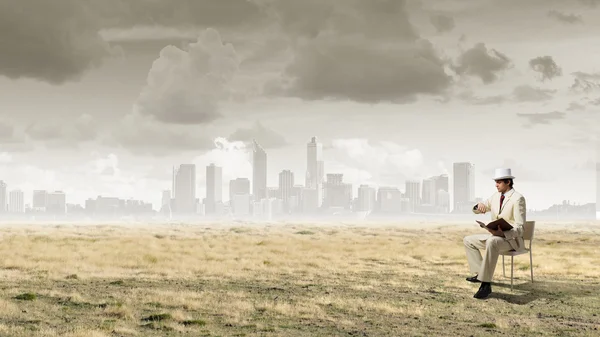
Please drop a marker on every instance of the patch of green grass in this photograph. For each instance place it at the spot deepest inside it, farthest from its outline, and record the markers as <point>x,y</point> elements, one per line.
<point>157,318</point>
<point>26,297</point>
<point>305,232</point>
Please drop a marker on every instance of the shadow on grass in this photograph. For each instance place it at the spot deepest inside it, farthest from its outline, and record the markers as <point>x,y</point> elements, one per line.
<point>527,292</point>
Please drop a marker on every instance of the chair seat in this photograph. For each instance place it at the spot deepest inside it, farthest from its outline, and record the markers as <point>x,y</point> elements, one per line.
<point>515,253</point>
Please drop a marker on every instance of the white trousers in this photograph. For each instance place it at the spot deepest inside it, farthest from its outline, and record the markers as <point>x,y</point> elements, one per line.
<point>492,245</point>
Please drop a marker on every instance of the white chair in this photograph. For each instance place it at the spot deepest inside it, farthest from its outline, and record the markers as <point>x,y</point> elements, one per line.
<point>528,229</point>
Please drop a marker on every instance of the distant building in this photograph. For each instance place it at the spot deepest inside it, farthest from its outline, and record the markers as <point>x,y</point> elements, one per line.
<point>259,172</point>
<point>16,202</point>
<point>464,187</point>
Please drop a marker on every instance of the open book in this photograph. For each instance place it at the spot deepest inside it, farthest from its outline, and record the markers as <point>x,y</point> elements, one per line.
<point>505,226</point>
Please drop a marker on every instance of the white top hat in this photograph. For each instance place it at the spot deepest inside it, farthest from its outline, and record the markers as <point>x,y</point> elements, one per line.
<point>503,173</point>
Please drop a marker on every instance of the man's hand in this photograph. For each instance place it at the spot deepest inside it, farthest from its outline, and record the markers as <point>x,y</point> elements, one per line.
<point>481,208</point>
<point>498,232</point>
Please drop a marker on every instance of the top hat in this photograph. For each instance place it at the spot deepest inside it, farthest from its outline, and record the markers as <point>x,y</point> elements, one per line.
<point>503,173</point>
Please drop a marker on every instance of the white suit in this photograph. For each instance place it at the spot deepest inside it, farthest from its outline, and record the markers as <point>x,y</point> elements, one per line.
<point>513,210</point>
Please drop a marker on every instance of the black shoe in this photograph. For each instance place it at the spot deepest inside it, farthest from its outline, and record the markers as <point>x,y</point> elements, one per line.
<point>473,279</point>
<point>484,290</point>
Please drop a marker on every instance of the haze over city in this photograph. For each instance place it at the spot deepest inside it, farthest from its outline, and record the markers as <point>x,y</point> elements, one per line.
<point>109,102</point>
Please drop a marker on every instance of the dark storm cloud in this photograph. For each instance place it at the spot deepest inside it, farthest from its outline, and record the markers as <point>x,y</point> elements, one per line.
<point>176,13</point>
<point>565,18</point>
<point>365,51</point>
<point>266,137</point>
<point>53,41</point>
<point>483,63</point>
<point>546,66</point>
<point>544,118</point>
<point>185,86</point>
<point>442,23</point>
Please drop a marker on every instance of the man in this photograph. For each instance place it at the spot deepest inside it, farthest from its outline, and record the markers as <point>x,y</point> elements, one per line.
<point>509,205</point>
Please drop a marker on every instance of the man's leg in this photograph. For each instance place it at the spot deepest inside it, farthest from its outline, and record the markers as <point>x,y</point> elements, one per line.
<point>493,247</point>
<point>473,243</point>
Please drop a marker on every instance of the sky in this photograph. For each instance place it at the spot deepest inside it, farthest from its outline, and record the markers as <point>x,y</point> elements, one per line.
<point>105,97</point>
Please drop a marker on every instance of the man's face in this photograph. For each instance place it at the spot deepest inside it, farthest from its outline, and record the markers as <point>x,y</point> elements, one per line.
<point>501,186</point>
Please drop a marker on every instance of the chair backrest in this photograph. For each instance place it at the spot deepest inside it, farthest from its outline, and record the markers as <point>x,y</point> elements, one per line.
<point>528,228</point>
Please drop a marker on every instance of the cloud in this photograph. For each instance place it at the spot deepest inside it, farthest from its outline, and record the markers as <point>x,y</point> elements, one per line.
<point>527,93</point>
<point>546,66</point>
<point>65,133</point>
<point>385,162</point>
<point>442,23</point>
<point>143,135</point>
<point>585,82</point>
<point>364,51</point>
<point>520,171</point>
<point>542,118</point>
<point>105,165</point>
<point>575,106</point>
<point>481,62</point>
<point>181,13</point>
<point>185,87</point>
<point>266,137</point>
<point>565,18</point>
<point>12,139</point>
<point>234,157</point>
<point>590,3</point>
<point>521,93</point>
<point>52,41</point>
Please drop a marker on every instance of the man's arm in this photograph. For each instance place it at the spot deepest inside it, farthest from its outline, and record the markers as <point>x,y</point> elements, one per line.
<point>487,204</point>
<point>520,216</point>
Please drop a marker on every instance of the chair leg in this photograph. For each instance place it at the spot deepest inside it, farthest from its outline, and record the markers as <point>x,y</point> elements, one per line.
<point>503,269</point>
<point>511,272</point>
<point>531,264</point>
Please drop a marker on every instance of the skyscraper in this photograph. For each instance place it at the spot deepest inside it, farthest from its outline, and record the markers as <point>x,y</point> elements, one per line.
<point>214,187</point>
<point>184,189</point>
<point>3,203</point>
<point>314,164</point>
<point>16,202</point>
<point>259,172</point>
<point>286,183</point>
<point>464,186</point>
<point>413,193</point>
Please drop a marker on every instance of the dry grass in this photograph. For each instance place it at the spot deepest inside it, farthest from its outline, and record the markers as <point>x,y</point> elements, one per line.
<point>287,280</point>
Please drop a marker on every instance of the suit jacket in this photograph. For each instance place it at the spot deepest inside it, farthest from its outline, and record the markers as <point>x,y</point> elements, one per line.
<point>513,210</point>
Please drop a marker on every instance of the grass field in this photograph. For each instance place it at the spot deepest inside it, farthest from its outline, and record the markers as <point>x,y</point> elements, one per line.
<point>288,280</point>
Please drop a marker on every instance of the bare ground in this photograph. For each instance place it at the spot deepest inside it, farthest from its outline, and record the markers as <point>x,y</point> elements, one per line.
<point>288,280</point>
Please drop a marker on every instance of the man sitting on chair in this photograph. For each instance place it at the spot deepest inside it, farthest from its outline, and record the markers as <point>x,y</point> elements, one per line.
<point>509,205</point>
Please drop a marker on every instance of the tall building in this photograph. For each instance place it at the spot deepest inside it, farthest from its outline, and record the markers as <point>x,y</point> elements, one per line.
<point>39,200</point>
<point>184,189</point>
<point>166,198</point>
<point>214,188</point>
<point>56,202</point>
<point>238,186</point>
<point>389,200</point>
<point>413,193</point>
<point>428,192</point>
<point>286,183</point>
<point>16,202</point>
<point>464,187</point>
<point>3,203</point>
<point>259,172</point>
<point>366,198</point>
<point>315,168</point>
<point>337,193</point>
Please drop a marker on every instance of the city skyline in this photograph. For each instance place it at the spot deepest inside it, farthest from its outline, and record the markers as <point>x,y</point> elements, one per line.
<point>112,110</point>
<point>459,186</point>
